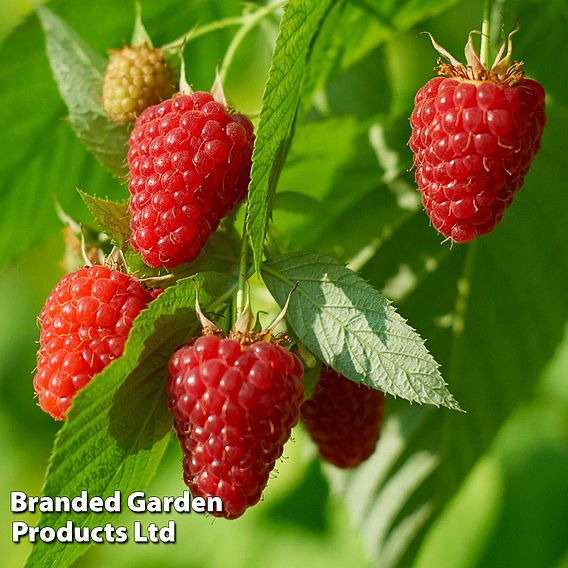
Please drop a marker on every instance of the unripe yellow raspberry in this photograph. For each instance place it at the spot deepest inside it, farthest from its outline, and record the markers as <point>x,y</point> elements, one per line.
<point>136,78</point>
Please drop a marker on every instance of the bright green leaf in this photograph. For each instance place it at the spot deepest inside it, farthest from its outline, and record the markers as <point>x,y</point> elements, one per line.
<point>298,28</point>
<point>112,216</point>
<point>353,328</point>
<point>140,35</point>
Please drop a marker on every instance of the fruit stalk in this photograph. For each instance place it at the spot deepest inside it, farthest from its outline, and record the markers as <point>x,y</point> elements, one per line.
<point>250,22</point>
<point>246,22</point>
<point>484,50</point>
<point>241,287</point>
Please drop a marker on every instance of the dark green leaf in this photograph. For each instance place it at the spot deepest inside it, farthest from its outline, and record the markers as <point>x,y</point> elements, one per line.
<point>298,203</point>
<point>348,38</point>
<point>493,312</point>
<point>357,180</point>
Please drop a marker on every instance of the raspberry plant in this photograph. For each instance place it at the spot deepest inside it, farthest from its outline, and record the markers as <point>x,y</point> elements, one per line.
<point>331,208</point>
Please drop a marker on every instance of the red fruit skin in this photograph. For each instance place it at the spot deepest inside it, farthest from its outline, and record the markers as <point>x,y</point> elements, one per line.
<point>473,144</point>
<point>344,419</point>
<point>189,163</point>
<point>83,326</point>
<point>234,408</point>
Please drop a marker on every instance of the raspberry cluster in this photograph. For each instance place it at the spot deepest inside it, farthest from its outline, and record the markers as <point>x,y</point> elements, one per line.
<point>234,408</point>
<point>190,161</point>
<point>344,419</point>
<point>83,326</point>
<point>136,78</point>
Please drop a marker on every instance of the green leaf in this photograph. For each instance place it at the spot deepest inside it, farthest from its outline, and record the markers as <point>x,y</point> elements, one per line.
<point>494,312</point>
<point>353,328</point>
<point>310,380</point>
<point>280,103</point>
<point>79,74</point>
<point>356,178</point>
<point>27,202</point>
<point>345,60</point>
<point>118,426</point>
<point>112,216</point>
<point>298,203</point>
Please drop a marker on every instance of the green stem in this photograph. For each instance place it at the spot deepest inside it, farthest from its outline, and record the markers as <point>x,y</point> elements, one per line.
<point>246,21</point>
<point>204,30</point>
<point>243,265</point>
<point>139,34</point>
<point>484,51</point>
<point>251,21</point>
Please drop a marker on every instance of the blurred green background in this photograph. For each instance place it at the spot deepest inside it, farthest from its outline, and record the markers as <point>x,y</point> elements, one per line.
<point>513,508</point>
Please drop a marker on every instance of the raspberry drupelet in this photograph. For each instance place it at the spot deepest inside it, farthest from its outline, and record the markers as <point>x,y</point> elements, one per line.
<point>474,135</point>
<point>83,326</point>
<point>190,162</point>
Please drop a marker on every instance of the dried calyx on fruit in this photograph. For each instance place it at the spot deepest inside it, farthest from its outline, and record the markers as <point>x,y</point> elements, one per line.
<point>189,161</point>
<point>234,401</point>
<point>84,325</point>
<point>475,131</point>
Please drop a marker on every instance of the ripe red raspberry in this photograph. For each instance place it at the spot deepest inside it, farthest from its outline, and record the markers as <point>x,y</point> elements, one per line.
<point>190,163</point>
<point>136,78</point>
<point>83,326</point>
<point>344,419</point>
<point>234,408</point>
<point>474,135</point>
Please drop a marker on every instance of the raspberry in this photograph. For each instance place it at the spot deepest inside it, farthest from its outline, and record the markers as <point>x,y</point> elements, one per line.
<point>136,78</point>
<point>83,326</point>
<point>234,408</point>
<point>344,419</point>
<point>474,136</point>
<point>190,163</point>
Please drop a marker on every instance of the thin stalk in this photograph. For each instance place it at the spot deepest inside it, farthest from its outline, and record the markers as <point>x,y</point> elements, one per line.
<point>251,21</point>
<point>484,51</point>
<point>243,266</point>
<point>204,30</point>
<point>246,21</point>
